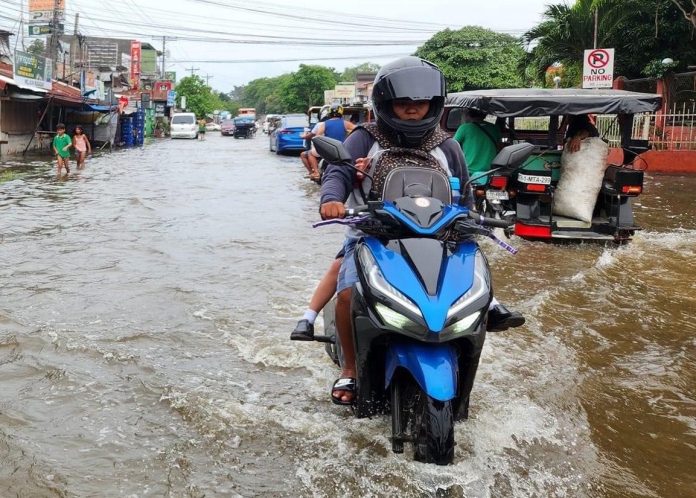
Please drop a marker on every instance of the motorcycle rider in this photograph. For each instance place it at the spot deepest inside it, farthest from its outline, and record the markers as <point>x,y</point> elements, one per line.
<point>408,96</point>
<point>334,127</point>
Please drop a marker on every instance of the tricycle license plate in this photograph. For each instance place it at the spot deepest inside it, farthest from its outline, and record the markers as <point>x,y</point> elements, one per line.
<point>497,195</point>
<point>544,180</point>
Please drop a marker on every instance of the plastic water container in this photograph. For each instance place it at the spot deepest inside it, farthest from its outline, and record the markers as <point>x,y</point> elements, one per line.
<point>455,185</point>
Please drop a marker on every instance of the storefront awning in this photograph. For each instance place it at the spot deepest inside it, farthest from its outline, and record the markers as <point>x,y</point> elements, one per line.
<point>4,80</point>
<point>100,108</point>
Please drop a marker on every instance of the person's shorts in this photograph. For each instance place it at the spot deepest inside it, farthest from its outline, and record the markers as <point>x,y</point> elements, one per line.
<point>201,131</point>
<point>348,274</point>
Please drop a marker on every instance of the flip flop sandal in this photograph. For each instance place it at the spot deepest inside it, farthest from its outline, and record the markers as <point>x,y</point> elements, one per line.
<point>343,384</point>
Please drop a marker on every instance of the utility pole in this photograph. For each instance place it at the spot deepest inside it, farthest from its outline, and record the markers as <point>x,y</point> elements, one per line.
<point>164,54</point>
<point>192,69</point>
<point>596,26</point>
<point>52,49</point>
<point>207,78</point>
<point>72,44</point>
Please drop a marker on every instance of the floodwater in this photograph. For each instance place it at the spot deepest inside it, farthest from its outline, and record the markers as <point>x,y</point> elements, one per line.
<point>145,309</point>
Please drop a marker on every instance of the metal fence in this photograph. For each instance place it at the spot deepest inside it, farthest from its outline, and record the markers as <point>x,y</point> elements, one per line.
<point>675,130</point>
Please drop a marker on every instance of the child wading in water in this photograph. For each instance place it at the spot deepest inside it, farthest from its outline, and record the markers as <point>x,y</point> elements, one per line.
<point>61,148</point>
<point>82,146</point>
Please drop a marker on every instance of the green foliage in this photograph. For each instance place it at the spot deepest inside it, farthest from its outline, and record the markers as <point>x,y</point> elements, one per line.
<point>656,69</point>
<point>199,96</point>
<point>350,73</point>
<point>306,87</point>
<point>294,92</point>
<point>37,47</point>
<point>474,57</point>
<point>639,31</point>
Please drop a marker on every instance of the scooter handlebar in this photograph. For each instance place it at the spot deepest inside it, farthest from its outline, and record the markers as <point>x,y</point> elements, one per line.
<point>490,222</point>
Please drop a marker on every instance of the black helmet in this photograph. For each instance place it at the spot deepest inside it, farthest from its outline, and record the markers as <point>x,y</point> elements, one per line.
<point>336,111</point>
<point>408,78</point>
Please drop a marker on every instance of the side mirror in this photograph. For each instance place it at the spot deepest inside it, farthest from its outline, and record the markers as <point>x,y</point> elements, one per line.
<point>512,156</point>
<point>332,150</point>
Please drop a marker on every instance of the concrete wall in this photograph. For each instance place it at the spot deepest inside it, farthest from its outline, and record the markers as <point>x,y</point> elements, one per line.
<point>660,161</point>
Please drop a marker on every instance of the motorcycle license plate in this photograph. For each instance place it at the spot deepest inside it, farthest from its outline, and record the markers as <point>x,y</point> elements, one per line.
<point>497,195</point>
<point>543,180</point>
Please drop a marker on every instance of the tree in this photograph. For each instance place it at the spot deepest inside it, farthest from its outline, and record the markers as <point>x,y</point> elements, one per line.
<point>306,87</point>
<point>350,73</point>
<point>199,96</point>
<point>37,47</point>
<point>474,57</point>
<point>641,31</point>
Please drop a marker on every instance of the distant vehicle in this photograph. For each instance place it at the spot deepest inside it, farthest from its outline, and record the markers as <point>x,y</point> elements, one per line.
<point>247,111</point>
<point>286,136</point>
<point>244,127</point>
<point>268,120</point>
<point>227,127</point>
<point>212,126</point>
<point>183,125</point>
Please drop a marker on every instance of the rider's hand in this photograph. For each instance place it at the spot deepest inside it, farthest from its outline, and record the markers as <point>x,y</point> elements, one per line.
<point>573,144</point>
<point>331,210</point>
<point>362,163</point>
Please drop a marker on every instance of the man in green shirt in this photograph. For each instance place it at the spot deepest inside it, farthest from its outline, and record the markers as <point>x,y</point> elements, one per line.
<point>61,148</point>
<point>479,140</point>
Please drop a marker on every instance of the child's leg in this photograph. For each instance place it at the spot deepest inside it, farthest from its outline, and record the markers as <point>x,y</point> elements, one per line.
<point>66,164</point>
<point>326,288</point>
<point>59,165</point>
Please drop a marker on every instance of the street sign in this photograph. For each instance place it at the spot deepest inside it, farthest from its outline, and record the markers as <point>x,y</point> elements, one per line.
<point>41,11</point>
<point>42,29</point>
<point>598,68</point>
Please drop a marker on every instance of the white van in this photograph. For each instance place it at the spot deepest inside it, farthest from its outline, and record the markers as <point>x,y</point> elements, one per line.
<point>183,125</point>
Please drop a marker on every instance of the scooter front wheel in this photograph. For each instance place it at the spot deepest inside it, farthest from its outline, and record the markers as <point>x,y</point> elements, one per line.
<point>423,421</point>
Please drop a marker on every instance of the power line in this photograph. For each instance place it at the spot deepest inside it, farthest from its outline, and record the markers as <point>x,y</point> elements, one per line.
<point>244,61</point>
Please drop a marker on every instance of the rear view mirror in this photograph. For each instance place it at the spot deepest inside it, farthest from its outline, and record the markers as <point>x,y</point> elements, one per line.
<point>512,156</point>
<point>332,150</point>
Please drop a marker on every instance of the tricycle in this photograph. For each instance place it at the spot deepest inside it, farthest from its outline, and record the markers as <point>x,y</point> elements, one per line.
<point>530,194</point>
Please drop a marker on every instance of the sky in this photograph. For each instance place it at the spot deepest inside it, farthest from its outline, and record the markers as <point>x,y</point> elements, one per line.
<point>231,42</point>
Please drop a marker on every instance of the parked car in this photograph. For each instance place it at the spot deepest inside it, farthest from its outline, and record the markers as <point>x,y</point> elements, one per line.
<point>227,127</point>
<point>212,126</point>
<point>286,136</point>
<point>531,191</point>
<point>183,125</point>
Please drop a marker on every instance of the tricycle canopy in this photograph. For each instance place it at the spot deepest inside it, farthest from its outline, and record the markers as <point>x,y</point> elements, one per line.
<point>515,102</point>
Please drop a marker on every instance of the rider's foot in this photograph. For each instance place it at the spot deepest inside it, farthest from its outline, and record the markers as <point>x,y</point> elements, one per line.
<point>500,318</point>
<point>343,390</point>
<point>304,331</point>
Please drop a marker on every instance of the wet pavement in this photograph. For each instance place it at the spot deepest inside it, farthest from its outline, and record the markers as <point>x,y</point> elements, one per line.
<point>145,309</point>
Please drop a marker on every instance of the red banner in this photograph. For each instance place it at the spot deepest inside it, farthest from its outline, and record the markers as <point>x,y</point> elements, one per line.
<point>135,65</point>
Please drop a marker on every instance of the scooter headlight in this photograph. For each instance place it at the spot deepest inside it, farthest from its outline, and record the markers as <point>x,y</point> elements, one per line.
<point>377,281</point>
<point>480,288</point>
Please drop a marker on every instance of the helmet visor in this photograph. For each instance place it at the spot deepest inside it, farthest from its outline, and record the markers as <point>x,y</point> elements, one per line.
<point>415,83</point>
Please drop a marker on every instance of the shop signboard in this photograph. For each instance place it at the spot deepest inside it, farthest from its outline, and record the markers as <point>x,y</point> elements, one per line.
<point>136,49</point>
<point>344,91</point>
<point>43,29</point>
<point>159,109</point>
<point>32,70</point>
<point>171,98</point>
<point>42,11</point>
<point>160,90</point>
<point>170,75</point>
<point>148,61</point>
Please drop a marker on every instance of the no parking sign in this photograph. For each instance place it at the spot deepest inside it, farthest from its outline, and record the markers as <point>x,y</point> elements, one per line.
<point>598,68</point>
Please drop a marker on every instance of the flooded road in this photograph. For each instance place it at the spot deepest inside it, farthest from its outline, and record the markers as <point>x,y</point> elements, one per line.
<point>145,309</point>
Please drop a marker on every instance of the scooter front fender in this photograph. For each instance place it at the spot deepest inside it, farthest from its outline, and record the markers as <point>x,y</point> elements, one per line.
<point>433,366</point>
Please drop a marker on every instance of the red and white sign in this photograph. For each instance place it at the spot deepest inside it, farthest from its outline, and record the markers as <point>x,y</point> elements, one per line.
<point>136,52</point>
<point>598,68</point>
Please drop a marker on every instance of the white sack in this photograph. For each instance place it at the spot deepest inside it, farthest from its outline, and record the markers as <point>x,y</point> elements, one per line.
<point>581,179</point>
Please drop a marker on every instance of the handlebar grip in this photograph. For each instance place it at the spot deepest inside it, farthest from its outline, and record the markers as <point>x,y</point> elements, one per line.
<point>356,210</point>
<point>490,222</point>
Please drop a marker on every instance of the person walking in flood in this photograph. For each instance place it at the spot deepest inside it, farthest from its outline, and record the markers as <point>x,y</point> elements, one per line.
<point>82,146</point>
<point>61,148</point>
<point>201,129</point>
